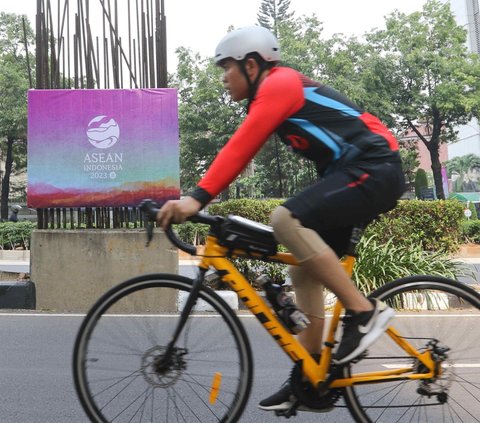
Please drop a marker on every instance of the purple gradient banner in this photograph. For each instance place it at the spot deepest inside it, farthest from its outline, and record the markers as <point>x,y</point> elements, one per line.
<point>98,148</point>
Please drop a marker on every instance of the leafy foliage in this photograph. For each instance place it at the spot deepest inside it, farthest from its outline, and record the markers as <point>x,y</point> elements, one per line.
<point>192,233</point>
<point>208,116</point>
<point>435,225</point>
<point>257,210</point>
<point>272,13</point>
<point>421,181</point>
<point>14,83</point>
<point>380,262</point>
<point>16,235</point>
<point>432,78</point>
<point>417,237</point>
<point>416,71</point>
<point>470,231</point>
<point>462,165</point>
<point>410,162</point>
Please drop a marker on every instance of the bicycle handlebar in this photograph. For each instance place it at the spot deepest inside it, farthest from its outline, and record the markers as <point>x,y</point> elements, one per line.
<point>150,209</point>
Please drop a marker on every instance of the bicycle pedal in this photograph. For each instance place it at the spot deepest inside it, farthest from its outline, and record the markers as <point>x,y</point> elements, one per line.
<point>358,358</point>
<point>290,412</point>
<point>287,414</point>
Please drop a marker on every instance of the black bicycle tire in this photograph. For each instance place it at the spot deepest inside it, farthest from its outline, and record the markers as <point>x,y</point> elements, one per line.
<point>390,289</point>
<point>168,280</point>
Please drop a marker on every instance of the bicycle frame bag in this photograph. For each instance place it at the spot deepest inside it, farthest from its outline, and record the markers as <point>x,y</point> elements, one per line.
<point>244,234</point>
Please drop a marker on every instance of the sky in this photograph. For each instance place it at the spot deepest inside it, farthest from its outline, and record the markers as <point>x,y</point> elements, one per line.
<point>200,24</point>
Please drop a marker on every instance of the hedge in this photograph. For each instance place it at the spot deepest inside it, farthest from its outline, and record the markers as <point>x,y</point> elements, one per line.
<point>435,225</point>
<point>470,230</point>
<point>416,237</point>
<point>16,235</point>
<point>257,210</point>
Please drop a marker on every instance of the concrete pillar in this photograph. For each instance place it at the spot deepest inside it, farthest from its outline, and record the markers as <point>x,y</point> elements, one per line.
<point>72,269</point>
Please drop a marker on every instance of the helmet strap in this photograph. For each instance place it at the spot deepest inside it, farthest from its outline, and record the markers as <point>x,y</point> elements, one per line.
<point>252,86</point>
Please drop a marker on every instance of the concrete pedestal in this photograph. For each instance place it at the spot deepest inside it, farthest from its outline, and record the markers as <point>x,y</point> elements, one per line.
<point>71,269</point>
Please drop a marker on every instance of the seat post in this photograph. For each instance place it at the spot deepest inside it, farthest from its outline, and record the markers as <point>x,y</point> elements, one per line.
<point>355,237</point>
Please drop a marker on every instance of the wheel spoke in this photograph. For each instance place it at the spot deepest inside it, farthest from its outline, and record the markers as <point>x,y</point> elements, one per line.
<point>447,327</point>
<point>121,371</point>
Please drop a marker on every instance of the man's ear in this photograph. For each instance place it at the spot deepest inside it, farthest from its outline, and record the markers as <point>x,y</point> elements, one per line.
<point>252,68</point>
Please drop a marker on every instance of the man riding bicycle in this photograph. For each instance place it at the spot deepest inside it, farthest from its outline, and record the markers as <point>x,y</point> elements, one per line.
<point>360,176</point>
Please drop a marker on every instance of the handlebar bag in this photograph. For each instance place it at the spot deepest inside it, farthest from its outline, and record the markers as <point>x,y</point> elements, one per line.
<point>244,234</point>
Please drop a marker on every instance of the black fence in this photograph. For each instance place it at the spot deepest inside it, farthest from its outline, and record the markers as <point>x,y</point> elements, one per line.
<point>90,218</point>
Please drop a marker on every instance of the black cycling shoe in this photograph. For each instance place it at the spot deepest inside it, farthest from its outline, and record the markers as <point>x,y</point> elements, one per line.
<point>284,401</point>
<point>360,330</point>
<point>280,401</point>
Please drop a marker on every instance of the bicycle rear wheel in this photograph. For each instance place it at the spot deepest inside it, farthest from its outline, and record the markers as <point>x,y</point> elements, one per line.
<point>428,308</point>
<point>118,349</point>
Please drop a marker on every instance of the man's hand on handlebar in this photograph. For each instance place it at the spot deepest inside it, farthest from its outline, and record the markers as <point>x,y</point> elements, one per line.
<point>177,211</point>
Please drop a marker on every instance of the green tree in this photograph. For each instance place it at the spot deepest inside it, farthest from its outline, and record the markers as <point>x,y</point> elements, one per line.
<point>14,83</point>
<point>272,13</point>
<point>207,115</point>
<point>431,76</point>
<point>421,181</point>
<point>279,173</point>
<point>463,165</point>
<point>410,162</point>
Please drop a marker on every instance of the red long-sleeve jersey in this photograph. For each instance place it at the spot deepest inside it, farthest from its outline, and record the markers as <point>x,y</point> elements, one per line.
<point>312,119</point>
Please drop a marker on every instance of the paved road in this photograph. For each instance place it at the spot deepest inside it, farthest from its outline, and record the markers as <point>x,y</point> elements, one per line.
<point>36,382</point>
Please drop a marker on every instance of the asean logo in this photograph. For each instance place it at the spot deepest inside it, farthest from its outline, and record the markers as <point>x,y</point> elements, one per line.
<point>103,132</point>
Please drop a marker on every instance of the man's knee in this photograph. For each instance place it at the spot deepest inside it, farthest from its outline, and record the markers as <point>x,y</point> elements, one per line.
<point>303,243</point>
<point>280,217</point>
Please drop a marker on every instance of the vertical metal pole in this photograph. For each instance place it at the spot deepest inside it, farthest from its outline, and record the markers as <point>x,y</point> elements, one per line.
<point>129,41</point>
<point>140,74</point>
<point>25,42</point>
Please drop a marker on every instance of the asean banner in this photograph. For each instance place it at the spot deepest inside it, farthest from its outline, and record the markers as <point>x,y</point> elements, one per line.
<point>98,148</point>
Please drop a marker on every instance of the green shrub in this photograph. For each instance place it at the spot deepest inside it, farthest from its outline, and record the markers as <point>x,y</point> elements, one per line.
<point>473,209</point>
<point>257,210</point>
<point>16,234</point>
<point>379,262</point>
<point>251,270</point>
<point>433,224</point>
<point>414,238</point>
<point>192,233</point>
<point>421,181</point>
<point>470,231</point>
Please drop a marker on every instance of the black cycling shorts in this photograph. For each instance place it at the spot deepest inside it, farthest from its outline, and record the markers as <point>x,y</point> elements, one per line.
<point>346,198</point>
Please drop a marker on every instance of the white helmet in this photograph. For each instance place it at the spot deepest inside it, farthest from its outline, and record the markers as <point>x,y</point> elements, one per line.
<point>250,39</point>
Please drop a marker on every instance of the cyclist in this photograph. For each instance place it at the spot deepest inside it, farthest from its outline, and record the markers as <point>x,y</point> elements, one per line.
<point>360,176</point>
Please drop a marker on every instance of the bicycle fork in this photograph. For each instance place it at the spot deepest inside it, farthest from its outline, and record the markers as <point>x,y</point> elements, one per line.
<point>189,304</point>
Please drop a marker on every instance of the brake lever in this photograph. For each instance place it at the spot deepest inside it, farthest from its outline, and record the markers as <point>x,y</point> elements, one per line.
<point>149,227</point>
<point>149,210</point>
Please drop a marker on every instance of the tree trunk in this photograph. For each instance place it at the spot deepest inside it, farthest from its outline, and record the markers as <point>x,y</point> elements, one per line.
<point>6,180</point>
<point>434,149</point>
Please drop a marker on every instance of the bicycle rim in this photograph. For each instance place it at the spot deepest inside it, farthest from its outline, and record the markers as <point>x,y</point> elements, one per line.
<point>118,372</point>
<point>428,307</point>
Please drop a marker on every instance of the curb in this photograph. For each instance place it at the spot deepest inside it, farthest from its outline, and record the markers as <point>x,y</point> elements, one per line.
<point>17,295</point>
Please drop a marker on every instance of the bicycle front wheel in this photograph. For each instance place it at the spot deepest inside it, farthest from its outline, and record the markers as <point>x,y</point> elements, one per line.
<point>119,371</point>
<point>435,313</point>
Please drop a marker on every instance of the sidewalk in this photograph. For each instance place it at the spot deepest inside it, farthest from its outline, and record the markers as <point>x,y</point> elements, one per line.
<point>15,266</point>
<point>15,261</point>
<point>10,265</point>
